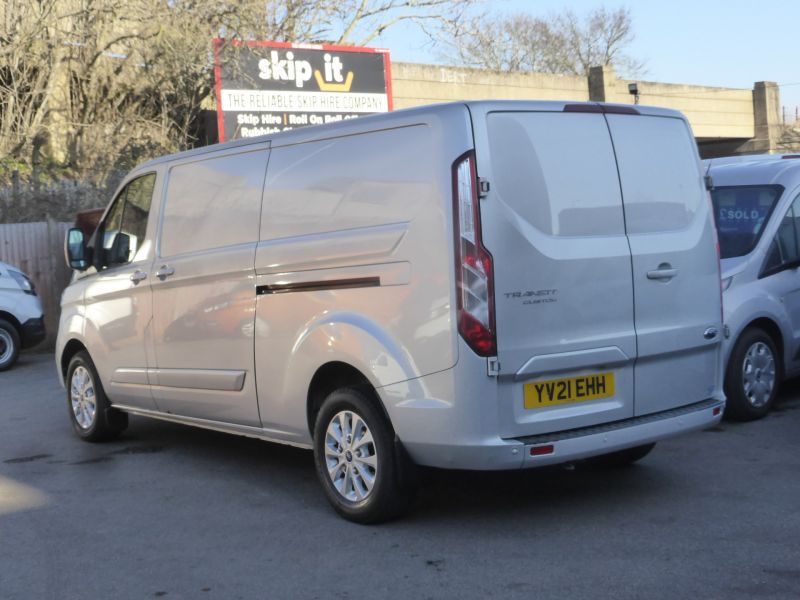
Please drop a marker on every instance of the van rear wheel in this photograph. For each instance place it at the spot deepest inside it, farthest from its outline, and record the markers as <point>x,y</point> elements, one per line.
<point>90,412</point>
<point>358,461</point>
<point>752,376</point>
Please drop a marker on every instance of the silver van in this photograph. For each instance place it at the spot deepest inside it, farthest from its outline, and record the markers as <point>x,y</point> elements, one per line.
<point>757,209</point>
<point>488,285</point>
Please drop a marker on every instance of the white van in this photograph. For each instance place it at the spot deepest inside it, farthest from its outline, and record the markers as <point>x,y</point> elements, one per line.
<point>489,285</point>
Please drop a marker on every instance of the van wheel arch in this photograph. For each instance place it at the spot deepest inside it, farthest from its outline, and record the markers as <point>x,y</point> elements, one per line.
<point>6,316</point>
<point>331,377</point>
<point>71,349</point>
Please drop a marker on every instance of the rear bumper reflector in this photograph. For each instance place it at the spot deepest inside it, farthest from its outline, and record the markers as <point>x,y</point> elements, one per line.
<point>541,450</point>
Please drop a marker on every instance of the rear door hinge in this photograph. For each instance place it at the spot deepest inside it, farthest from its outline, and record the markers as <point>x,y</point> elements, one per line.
<point>492,367</point>
<point>483,187</point>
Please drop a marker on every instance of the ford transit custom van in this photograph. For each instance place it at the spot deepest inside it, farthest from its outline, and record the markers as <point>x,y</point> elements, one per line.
<point>487,285</point>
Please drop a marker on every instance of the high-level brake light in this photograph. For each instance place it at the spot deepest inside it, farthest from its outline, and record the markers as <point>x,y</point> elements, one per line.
<point>474,279</point>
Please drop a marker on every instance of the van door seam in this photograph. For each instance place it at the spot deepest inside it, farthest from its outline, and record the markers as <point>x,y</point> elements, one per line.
<point>630,255</point>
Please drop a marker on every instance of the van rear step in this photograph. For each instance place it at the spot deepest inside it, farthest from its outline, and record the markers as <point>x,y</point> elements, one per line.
<point>622,424</point>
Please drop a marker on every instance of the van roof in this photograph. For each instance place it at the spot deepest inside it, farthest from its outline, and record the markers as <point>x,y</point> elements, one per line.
<point>756,169</point>
<point>397,118</point>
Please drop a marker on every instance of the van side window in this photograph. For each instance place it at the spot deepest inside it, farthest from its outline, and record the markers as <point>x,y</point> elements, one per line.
<point>122,232</point>
<point>137,209</point>
<point>108,230</point>
<point>213,202</point>
<point>785,246</point>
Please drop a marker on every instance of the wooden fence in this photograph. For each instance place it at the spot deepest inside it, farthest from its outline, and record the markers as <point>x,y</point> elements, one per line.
<point>38,250</point>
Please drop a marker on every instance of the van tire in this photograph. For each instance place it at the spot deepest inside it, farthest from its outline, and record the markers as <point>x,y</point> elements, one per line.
<point>391,492</point>
<point>621,458</point>
<point>97,424</point>
<point>740,407</point>
<point>9,345</point>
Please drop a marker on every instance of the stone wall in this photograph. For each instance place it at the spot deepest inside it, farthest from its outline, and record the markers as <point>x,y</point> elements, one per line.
<point>415,85</point>
<point>718,115</point>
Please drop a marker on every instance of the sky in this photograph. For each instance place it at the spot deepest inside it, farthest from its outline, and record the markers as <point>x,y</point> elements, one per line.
<point>727,43</point>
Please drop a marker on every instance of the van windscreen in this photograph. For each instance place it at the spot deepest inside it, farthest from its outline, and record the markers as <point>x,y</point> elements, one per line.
<point>741,212</point>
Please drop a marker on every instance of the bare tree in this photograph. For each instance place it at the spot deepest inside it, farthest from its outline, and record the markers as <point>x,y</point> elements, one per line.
<point>599,39</point>
<point>561,43</point>
<point>26,60</point>
<point>97,84</point>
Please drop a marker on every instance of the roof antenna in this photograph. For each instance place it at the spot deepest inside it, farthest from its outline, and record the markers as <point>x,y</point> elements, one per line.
<point>708,178</point>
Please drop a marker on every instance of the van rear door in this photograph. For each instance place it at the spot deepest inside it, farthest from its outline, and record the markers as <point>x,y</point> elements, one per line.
<point>675,265</point>
<point>553,222</point>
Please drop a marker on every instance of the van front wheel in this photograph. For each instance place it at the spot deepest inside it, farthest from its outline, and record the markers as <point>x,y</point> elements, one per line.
<point>90,412</point>
<point>751,380</point>
<point>357,460</point>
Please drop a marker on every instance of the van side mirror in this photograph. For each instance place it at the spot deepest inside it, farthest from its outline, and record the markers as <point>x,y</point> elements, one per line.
<point>709,182</point>
<point>120,249</point>
<point>75,250</point>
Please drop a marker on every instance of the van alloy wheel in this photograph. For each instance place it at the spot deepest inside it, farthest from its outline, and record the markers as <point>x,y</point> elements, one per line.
<point>360,463</point>
<point>758,374</point>
<point>82,395</point>
<point>351,456</point>
<point>92,416</point>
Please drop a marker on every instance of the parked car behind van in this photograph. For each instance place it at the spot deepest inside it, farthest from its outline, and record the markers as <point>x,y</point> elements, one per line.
<point>757,208</point>
<point>21,317</point>
<point>487,285</point>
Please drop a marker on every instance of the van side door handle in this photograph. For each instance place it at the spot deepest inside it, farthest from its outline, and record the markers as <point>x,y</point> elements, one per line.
<point>138,276</point>
<point>164,272</point>
<point>664,272</point>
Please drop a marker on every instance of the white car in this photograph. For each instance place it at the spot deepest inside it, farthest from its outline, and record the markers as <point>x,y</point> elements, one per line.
<point>21,317</point>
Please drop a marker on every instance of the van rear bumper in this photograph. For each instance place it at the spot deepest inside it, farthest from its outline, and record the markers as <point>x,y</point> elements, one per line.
<point>572,445</point>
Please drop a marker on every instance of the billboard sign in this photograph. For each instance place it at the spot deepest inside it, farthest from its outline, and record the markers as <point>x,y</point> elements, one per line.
<point>266,87</point>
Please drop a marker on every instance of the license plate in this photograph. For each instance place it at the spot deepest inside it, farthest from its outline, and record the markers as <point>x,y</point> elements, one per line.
<point>552,392</point>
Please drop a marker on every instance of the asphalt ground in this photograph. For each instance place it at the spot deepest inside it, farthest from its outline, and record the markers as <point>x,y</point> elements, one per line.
<point>174,512</point>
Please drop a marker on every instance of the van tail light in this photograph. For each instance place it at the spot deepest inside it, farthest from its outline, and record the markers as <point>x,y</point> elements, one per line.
<point>474,278</point>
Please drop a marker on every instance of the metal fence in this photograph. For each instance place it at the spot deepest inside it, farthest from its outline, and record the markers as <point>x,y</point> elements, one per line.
<point>37,249</point>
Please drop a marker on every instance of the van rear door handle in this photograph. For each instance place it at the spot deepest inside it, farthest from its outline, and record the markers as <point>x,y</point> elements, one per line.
<point>664,272</point>
<point>138,276</point>
<point>164,272</point>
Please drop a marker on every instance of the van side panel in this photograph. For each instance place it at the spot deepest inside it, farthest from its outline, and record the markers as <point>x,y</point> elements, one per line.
<point>203,312</point>
<point>355,262</point>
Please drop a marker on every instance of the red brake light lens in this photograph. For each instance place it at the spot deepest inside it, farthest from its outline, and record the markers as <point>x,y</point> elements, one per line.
<point>474,277</point>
